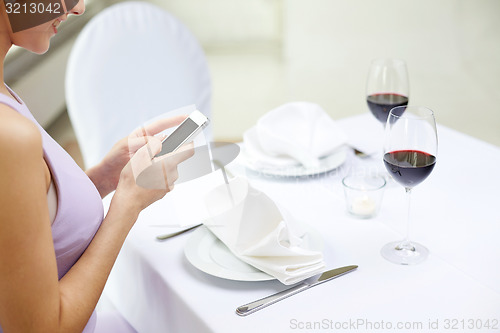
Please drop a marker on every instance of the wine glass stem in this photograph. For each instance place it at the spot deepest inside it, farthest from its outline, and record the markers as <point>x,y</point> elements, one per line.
<point>406,244</point>
<point>383,133</point>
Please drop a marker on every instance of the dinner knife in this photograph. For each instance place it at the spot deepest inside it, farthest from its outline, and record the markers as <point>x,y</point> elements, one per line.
<point>308,283</point>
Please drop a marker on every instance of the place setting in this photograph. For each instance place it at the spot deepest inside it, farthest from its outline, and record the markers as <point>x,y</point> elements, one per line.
<point>247,236</point>
<point>300,138</point>
<point>250,237</point>
<point>294,140</point>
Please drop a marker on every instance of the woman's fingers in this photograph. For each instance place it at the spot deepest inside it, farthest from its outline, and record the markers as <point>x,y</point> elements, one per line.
<point>183,153</point>
<point>134,143</point>
<point>162,172</point>
<point>143,157</point>
<point>158,126</point>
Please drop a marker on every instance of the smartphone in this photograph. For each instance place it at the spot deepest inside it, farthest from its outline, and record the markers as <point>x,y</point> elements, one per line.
<point>184,133</point>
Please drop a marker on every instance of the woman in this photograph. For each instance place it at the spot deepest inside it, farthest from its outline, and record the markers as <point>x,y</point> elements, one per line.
<point>56,248</point>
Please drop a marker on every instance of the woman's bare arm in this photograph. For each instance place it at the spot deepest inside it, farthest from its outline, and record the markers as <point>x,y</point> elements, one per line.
<point>29,290</point>
<point>31,297</point>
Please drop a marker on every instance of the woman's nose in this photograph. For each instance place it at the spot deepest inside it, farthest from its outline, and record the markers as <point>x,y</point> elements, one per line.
<point>79,9</point>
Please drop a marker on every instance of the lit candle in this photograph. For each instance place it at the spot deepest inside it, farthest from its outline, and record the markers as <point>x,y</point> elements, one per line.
<point>363,206</point>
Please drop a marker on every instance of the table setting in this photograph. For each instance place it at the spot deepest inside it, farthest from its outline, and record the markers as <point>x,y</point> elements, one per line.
<point>295,139</point>
<point>312,201</point>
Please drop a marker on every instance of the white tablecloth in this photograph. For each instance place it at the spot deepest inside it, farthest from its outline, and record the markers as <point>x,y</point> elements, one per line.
<point>455,213</point>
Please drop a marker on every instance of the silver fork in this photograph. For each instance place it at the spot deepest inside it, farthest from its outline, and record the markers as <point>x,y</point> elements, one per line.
<point>359,153</point>
<point>173,234</point>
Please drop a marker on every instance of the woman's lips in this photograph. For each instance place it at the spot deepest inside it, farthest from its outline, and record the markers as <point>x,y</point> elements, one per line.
<point>56,24</point>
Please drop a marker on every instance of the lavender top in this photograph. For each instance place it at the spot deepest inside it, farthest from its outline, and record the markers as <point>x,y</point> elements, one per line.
<point>79,205</point>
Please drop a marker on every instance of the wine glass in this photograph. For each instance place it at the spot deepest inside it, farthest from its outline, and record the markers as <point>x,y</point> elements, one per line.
<point>387,86</point>
<point>410,151</point>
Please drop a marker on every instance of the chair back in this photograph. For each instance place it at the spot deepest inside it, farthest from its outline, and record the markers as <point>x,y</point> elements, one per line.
<point>132,62</point>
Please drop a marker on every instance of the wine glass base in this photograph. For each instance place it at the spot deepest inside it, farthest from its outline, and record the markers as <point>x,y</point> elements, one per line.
<point>402,253</point>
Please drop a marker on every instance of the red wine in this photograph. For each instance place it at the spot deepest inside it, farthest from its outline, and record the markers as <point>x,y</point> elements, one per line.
<point>409,167</point>
<point>381,104</point>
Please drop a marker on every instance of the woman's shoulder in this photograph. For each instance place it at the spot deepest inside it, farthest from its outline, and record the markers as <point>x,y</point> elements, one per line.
<point>19,136</point>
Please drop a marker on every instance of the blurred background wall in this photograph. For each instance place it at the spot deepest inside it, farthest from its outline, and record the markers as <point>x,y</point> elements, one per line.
<point>263,53</point>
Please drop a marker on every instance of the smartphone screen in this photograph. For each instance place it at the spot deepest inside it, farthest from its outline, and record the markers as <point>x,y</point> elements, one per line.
<point>178,136</point>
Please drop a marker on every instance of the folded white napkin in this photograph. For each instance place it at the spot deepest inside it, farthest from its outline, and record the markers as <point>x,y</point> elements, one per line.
<point>250,224</point>
<point>298,132</point>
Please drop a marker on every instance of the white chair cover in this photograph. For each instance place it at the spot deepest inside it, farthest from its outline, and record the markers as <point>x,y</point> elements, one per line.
<point>130,63</point>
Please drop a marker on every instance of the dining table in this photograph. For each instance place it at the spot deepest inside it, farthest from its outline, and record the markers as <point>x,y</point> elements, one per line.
<point>455,213</point>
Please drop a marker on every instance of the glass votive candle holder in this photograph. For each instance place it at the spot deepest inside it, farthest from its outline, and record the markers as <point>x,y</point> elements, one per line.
<point>363,194</point>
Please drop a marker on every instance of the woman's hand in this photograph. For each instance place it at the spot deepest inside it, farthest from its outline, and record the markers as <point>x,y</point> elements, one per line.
<point>145,179</point>
<point>106,174</point>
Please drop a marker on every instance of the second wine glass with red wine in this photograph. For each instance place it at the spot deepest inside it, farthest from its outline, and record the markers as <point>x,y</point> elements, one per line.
<point>410,147</point>
<point>387,86</point>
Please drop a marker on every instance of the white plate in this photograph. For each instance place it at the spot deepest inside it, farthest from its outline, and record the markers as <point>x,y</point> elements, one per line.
<point>254,158</point>
<point>207,253</point>
<point>326,164</point>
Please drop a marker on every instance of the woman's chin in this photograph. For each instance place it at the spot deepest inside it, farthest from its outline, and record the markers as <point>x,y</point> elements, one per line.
<point>40,49</point>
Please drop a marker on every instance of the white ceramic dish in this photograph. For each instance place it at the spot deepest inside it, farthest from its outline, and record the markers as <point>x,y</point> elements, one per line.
<point>207,253</point>
<point>255,159</point>
<point>327,163</point>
